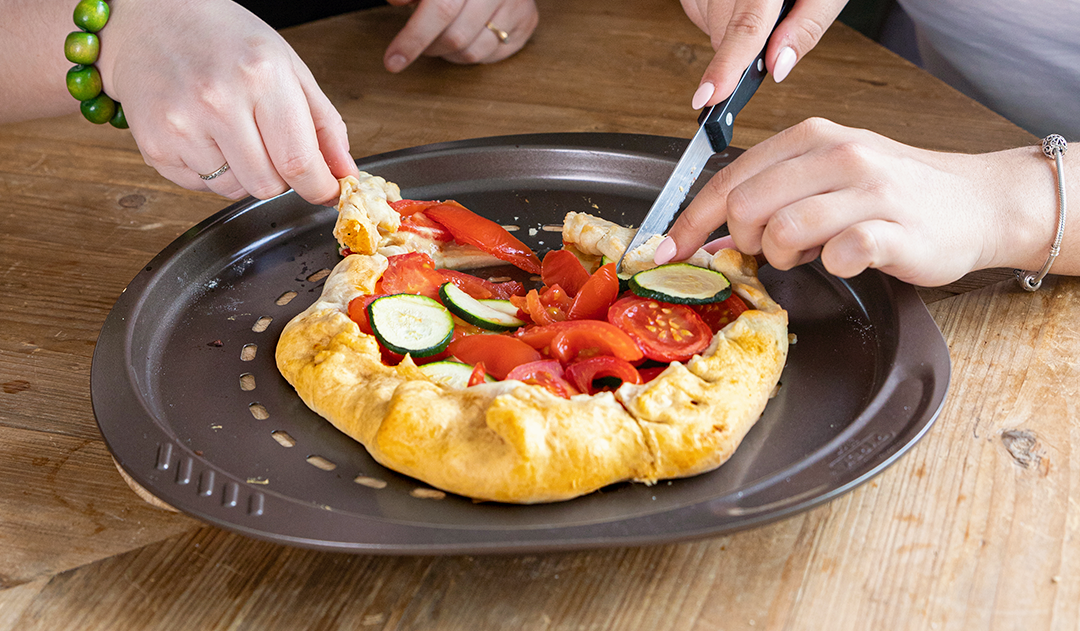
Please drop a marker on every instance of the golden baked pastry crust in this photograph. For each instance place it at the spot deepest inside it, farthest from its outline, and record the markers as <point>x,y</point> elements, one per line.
<point>512,442</point>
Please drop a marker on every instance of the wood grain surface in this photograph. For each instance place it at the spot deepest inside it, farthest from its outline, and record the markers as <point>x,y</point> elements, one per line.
<point>975,528</point>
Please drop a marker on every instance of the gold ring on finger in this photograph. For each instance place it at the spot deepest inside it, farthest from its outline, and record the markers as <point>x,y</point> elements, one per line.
<point>501,34</point>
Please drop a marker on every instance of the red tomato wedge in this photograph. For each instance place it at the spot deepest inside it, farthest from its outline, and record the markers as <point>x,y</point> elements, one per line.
<point>358,311</point>
<point>665,332</point>
<point>584,373</point>
<point>545,307</point>
<point>482,288</point>
<point>500,353</point>
<point>648,374</point>
<point>411,273</point>
<point>596,295</point>
<point>562,268</point>
<point>469,227</point>
<point>421,224</point>
<point>539,337</point>
<point>406,207</point>
<point>538,312</point>
<point>546,373</point>
<point>479,373</point>
<point>589,338</point>
<point>720,314</point>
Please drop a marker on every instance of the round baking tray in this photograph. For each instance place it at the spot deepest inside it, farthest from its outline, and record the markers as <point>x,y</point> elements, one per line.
<point>191,405</point>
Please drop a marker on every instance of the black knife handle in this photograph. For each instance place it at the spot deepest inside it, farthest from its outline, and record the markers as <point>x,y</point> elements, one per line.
<point>718,119</point>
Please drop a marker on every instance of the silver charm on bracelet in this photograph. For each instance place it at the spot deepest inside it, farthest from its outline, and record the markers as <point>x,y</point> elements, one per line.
<point>1053,146</point>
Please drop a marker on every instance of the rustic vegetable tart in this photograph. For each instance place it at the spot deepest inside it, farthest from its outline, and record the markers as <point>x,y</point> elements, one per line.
<point>585,409</point>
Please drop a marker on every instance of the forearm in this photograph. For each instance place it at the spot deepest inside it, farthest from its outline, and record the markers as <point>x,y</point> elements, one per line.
<point>32,63</point>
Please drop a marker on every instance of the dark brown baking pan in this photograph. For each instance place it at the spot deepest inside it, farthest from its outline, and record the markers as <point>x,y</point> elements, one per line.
<point>191,405</point>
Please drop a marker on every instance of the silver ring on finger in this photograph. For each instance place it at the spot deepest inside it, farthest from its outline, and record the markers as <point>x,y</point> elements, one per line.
<point>219,171</point>
<point>501,34</point>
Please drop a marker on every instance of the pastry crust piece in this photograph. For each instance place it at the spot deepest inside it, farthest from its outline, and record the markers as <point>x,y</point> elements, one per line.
<point>364,212</point>
<point>512,442</point>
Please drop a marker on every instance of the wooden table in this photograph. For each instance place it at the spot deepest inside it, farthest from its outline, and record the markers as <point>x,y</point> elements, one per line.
<point>975,528</point>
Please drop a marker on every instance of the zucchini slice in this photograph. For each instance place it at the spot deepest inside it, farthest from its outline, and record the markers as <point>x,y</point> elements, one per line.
<point>681,283</point>
<point>624,277</point>
<point>475,312</point>
<point>500,304</point>
<point>450,373</point>
<point>413,325</point>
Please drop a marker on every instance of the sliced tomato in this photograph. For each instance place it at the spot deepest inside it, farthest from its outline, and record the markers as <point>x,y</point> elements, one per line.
<point>596,295</point>
<point>585,373</point>
<point>407,207</point>
<point>464,329</point>
<point>539,337</point>
<point>500,353</point>
<point>665,332</point>
<point>546,373</point>
<point>506,289</point>
<point>650,373</point>
<point>522,303</point>
<point>358,311</point>
<point>562,268</point>
<point>479,374</point>
<point>537,311</point>
<point>720,314</point>
<point>411,273</point>
<point>547,306</point>
<point>469,227</point>
<point>482,288</point>
<point>589,338</point>
<point>421,224</point>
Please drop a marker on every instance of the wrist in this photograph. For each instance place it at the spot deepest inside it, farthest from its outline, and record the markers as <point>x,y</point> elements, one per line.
<point>83,48</point>
<point>1024,208</point>
<point>112,39</point>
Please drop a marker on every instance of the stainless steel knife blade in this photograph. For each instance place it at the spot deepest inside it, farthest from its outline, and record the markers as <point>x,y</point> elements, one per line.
<point>713,136</point>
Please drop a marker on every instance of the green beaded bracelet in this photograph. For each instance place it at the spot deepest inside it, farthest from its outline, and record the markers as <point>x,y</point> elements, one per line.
<point>83,80</point>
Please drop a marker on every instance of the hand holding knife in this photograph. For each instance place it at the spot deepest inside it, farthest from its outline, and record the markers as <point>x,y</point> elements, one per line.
<point>713,136</point>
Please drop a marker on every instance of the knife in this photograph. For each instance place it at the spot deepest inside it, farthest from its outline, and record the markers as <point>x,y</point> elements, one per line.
<point>713,136</point>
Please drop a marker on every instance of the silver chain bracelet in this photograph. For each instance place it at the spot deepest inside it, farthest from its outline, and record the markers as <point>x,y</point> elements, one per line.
<point>1053,146</point>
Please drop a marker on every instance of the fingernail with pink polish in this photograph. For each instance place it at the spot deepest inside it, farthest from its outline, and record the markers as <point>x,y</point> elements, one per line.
<point>785,61</point>
<point>702,96</point>
<point>665,251</point>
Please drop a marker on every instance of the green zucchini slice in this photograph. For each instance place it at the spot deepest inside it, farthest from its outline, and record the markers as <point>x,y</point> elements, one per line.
<point>624,277</point>
<point>413,325</point>
<point>681,283</point>
<point>476,312</point>
<point>450,373</point>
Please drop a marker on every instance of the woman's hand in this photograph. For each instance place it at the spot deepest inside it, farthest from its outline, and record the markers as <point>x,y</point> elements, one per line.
<point>462,31</point>
<point>739,29</point>
<point>206,82</point>
<point>859,200</point>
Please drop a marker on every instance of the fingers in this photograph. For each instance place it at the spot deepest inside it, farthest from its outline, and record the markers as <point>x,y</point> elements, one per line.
<point>463,31</point>
<point>705,213</point>
<point>277,147</point>
<point>305,140</point>
<point>710,207</point>
<point>333,138</point>
<point>291,137</point>
<point>428,23</point>
<point>209,161</point>
<point>739,35</point>
<point>868,244</point>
